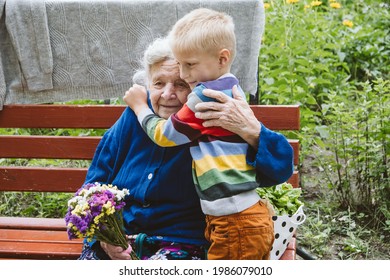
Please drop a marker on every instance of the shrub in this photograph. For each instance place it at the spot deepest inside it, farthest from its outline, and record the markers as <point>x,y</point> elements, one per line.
<point>357,134</point>
<point>331,58</point>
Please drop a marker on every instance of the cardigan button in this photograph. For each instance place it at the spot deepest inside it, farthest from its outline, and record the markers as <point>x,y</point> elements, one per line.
<point>150,176</point>
<point>146,205</point>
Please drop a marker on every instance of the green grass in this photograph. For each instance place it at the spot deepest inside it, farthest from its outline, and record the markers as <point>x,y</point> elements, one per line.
<point>16,204</point>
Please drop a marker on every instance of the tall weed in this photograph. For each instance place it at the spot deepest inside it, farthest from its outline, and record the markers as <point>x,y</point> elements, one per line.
<point>357,134</point>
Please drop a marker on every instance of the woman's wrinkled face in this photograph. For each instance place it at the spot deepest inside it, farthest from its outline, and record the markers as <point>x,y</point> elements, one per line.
<point>168,92</point>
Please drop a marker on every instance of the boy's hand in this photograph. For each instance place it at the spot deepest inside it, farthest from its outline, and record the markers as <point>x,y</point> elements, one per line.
<point>136,98</point>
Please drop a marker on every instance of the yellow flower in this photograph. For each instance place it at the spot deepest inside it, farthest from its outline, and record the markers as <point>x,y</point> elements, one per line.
<point>97,218</point>
<point>267,5</point>
<point>77,211</point>
<point>306,7</point>
<point>108,208</point>
<point>315,3</point>
<point>347,22</point>
<point>332,1</point>
<point>292,1</point>
<point>335,5</point>
<point>91,231</point>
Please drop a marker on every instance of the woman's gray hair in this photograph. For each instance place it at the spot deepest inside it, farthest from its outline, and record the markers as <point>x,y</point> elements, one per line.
<point>156,52</point>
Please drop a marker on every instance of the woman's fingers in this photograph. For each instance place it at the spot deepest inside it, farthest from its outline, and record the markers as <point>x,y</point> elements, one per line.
<point>233,114</point>
<point>115,252</point>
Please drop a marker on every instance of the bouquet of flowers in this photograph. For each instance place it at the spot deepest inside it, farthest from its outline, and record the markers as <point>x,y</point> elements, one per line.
<point>95,212</point>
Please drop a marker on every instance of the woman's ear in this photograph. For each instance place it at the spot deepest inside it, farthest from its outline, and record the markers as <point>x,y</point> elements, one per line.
<point>224,57</point>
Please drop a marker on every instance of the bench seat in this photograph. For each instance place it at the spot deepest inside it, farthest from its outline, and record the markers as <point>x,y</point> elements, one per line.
<point>46,238</point>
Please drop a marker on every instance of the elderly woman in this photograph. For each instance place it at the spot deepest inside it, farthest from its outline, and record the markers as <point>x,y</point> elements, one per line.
<point>162,215</point>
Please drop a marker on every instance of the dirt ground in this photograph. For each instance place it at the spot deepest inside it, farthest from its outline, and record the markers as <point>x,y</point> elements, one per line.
<point>313,194</point>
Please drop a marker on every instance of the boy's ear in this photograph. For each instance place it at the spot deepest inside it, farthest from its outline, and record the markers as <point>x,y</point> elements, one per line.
<point>224,57</point>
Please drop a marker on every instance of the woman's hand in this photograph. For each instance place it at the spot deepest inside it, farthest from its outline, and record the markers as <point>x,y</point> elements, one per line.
<point>233,114</point>
<point>116,252</point>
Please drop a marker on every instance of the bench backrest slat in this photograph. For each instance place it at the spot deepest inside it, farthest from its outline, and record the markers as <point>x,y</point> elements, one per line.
<point>280,117</point>
<point>41,179</point>
<point>63,147</point>
<point>103,116</point>
<point>59,116</point>
<point>59,147</point>
<point>56,179</point>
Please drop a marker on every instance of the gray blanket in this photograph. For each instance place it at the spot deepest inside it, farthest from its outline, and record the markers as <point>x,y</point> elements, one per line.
<point>61,50</point>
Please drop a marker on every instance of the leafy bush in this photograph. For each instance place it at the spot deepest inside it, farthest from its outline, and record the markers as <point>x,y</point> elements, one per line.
<point>357,134</point>
<point>300,59</point>
<point>34,204</point>
<point>332,58</point>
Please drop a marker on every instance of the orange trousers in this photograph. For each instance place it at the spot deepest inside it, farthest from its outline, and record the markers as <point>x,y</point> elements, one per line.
<point>247,235</point>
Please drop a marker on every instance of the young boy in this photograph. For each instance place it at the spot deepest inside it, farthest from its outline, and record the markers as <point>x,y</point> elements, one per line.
<point>238,224</point>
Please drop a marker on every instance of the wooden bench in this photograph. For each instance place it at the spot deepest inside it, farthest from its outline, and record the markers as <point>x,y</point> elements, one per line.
<point>46,238</point>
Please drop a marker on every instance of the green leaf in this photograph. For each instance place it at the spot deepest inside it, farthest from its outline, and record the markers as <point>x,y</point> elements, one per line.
<point>323,130</point>
<point>284,198</point>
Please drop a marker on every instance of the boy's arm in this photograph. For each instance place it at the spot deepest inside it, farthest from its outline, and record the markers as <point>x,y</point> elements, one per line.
<point>166,133</point>
<point>161,131</point>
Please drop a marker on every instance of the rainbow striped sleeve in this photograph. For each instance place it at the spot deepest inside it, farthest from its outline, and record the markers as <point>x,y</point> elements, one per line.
<point>168,133</point>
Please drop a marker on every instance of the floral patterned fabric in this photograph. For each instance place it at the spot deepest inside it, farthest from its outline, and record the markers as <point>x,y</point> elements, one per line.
<point>150,248</point>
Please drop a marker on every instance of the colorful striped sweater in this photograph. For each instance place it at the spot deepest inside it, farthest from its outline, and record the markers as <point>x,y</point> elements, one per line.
<point>224,181</point>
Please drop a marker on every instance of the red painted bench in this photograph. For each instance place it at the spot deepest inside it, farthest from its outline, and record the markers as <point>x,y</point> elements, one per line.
<point>46,238</point>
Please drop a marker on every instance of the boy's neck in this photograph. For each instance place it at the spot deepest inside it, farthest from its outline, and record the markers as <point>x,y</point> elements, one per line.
<point>227,74</point>
<point>224,71</point>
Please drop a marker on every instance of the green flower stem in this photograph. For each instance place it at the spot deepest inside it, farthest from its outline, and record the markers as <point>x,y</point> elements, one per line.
<point>114,234</point>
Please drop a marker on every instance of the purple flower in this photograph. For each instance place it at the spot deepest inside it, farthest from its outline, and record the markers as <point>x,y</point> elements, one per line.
<point>87,204</point>
<point>81,224</point>
<point>119,206</point>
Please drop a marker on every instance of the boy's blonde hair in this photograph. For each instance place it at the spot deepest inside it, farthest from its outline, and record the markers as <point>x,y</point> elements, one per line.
<point>204,30</point>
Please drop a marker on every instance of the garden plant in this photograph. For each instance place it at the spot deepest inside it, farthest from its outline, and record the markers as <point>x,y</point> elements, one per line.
<point>332,58</point>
